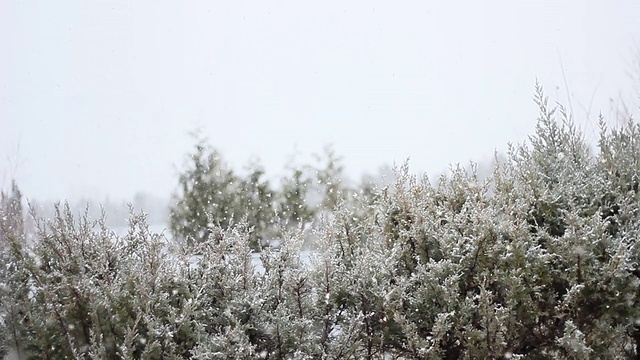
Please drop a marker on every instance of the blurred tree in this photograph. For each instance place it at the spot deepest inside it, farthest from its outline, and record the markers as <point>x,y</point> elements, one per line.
<point>294,209</point>
<point>329,178</point>
<point>257,205</point>
<point>12,219</point>
<point>208,195</point>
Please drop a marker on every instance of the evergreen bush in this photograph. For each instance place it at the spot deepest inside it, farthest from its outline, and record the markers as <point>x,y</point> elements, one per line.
<point>538,261</point>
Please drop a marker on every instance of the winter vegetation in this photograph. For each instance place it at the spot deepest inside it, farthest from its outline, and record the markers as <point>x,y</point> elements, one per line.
<point>540,260</point>
<point>212,195</point>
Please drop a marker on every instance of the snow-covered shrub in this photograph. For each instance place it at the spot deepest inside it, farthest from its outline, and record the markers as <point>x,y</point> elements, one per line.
<point>539,260</point>
<point>92,294</point>
<point>223,297</point>
<point>12,231</point>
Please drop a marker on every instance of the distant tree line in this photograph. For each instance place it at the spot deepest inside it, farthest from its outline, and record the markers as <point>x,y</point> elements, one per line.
<point>211,194</point>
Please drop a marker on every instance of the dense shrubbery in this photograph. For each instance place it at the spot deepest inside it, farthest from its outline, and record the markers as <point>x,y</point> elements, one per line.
<point>539,261</point>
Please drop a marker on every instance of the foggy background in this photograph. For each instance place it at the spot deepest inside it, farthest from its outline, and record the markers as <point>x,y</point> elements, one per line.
<point>97,98</point>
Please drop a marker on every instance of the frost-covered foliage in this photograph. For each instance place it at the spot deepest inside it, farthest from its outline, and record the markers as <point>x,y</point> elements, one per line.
<point>11,231</point>
<point>538,261</point>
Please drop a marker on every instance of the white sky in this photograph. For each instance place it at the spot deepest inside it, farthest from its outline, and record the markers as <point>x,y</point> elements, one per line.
<point>97,97</point>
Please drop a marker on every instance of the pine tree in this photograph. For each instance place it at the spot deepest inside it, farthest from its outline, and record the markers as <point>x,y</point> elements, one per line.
<point>294,209</point>
<point>257,200</point>
<point>208,196</point>
<point>330,179</point>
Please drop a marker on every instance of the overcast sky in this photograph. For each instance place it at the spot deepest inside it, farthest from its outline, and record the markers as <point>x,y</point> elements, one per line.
<point>97,97</point>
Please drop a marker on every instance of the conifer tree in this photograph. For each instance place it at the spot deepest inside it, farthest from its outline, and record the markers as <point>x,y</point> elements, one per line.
<point>294,208</point>
<point>208,195</point>
<point>258,206</point>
